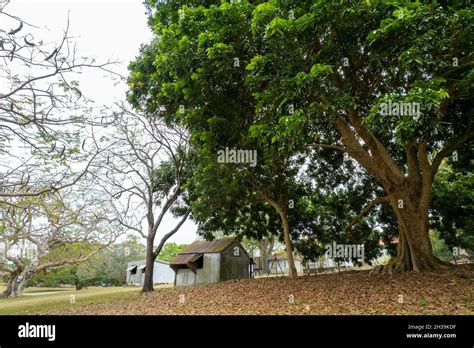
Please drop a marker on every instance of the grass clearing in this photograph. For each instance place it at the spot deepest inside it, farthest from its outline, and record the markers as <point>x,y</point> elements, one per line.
<point>61,298</point>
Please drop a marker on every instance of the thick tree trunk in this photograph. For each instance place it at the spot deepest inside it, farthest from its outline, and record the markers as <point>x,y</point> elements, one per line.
<point>409,192</point>
<point>19,287</point>
<point>16,284</point>
<point>150,261</point>
<point>414,250</point>
<point>8,292</point>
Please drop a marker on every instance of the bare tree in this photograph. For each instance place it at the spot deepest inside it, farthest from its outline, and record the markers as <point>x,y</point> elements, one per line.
<point>42,110</point>
<point>48,149</point>
<point>146,170</point>
<point>33,228</point>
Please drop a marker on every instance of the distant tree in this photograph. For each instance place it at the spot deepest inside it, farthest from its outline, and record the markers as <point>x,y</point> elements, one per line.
<point>47,150</point>
<point>170,250</point>
<point>50,231</point>
<point>106,267</point>
<point>265,248</point>
<point>122,253</point>
<point>145,170</point>
<point>109,265</point>
<point>440,248</point>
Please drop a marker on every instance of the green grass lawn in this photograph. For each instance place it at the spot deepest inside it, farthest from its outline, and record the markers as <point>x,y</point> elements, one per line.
<point>61,297</point>
<point>33,291</point>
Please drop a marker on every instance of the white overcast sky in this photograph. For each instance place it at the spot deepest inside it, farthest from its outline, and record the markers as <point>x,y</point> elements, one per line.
<point>103,29</point>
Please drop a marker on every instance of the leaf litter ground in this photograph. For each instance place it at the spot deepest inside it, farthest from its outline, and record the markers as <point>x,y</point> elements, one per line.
<point>345,293</point>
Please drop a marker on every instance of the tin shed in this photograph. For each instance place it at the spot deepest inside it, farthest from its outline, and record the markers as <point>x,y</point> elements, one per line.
<point>162,273</point>
<point>211,262</point>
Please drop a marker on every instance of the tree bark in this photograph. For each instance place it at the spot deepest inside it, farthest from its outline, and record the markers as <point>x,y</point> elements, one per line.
<point>266,247</point>
<point>19,286</point>
<point>281,209</point>
<point>151,254</point>
<point>409,195</point>
<point>8,292</point>
<point>289,247</point>
<point>16,284</point>
<point>414,250</point>
<point>150,260</point>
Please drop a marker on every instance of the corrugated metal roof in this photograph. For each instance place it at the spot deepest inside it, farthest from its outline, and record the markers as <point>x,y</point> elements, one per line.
<point>203,246</point>
<point>194,250</point>
<point>183,259</point>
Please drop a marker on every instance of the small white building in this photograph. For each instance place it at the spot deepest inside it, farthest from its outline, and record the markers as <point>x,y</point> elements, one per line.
<point>162,273</point>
